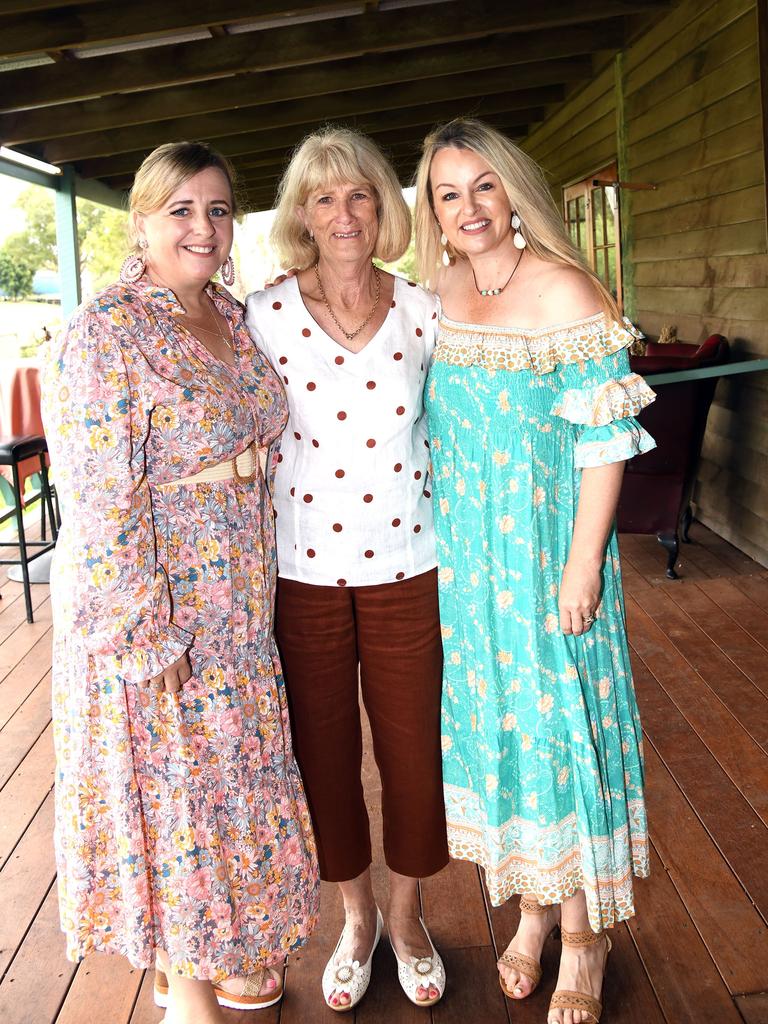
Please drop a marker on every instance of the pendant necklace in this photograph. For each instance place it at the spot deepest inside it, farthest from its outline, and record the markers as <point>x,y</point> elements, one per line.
<point>354,334</point>
<point>490,292</point>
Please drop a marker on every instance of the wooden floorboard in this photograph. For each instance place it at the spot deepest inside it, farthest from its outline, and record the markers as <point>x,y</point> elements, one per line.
<point>698,947</point>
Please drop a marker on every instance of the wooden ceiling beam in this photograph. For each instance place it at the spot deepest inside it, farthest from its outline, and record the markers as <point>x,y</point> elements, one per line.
<point>28,7</point>
<point>270,49</point>
<point>457,88</point>
<point>104,23</point>
<point>122,110</point>
<point>125,165</point>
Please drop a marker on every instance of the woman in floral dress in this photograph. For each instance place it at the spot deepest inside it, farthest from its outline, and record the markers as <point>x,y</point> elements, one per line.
<point>182,831</point>
<point>531,406</point>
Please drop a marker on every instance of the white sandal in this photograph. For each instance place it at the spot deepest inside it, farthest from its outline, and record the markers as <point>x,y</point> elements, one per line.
<point>421,972</point>
<point>349,976</point>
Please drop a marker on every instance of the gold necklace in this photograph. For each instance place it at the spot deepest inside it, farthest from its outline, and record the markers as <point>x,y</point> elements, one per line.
<point>217,333</point>
<point>354,334</point>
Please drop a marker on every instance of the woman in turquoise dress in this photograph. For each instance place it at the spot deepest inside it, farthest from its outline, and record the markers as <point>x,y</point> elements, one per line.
<point>531,407</point>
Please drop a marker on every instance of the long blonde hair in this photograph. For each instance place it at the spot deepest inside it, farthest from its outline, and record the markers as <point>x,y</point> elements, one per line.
<point>166,169</point>
<point>337,156</point>
<point>527,191</point>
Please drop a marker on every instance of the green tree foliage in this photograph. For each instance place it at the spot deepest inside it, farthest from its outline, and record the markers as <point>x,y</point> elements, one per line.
<point>15,275</point>
<point>101,233</point>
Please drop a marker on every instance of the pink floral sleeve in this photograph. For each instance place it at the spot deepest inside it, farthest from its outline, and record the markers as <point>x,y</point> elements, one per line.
<point>117,603</point>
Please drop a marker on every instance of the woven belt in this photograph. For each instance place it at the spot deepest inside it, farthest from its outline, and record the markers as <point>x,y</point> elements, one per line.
<point>244,467</point>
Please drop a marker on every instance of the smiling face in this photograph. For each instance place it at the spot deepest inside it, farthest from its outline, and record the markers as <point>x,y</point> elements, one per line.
<point>343,220</point>
<point>470,201</point>
<point>190,235</point>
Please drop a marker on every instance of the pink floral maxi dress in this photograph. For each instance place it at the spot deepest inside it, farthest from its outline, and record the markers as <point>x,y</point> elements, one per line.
<point>180,818</point>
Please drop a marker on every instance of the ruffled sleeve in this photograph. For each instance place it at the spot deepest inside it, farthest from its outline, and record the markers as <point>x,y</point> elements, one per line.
<point>602,397</point>
<point>113,595</point>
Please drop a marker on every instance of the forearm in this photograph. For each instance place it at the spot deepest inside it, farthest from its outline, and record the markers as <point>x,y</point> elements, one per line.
<point>598,498</point>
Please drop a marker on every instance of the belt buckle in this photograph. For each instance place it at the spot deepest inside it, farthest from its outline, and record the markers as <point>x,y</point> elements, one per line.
<point>249,477</point>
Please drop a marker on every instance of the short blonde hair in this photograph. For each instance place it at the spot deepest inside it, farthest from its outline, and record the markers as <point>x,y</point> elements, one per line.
<point>338,156</point>
<point>527,190</point>
<point>166,169</point>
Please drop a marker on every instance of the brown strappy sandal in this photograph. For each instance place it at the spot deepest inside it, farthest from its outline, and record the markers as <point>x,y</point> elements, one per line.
<point>563,999</point>
<point>524,964</point>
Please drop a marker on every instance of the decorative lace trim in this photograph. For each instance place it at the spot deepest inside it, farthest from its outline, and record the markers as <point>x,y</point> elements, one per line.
<point>600,405</point>
<point>513,348</point>
<point>548,862</point>
<point>622,445</point>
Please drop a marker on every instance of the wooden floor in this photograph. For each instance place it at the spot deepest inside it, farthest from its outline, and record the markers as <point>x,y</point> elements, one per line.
<point>697,950</point>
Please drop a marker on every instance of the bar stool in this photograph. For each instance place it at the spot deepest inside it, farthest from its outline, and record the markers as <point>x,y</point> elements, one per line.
<point>12,452</point>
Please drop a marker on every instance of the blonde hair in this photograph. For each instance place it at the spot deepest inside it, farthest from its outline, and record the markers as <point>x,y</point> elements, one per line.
<point>338,156</point>
<point>527,191</point>
<point>166,169</point>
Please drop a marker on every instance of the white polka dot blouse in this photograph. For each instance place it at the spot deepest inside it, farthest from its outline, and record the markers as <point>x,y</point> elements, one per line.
<point>352,490</point>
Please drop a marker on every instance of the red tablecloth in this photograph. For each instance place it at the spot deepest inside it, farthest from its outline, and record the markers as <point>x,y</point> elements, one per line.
<point>20,409</point>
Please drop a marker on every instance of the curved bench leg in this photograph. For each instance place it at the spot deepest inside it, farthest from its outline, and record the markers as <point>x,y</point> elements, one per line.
<point>670,542</point>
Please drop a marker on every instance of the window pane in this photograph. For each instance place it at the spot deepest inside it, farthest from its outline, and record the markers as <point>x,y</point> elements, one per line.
<point>600,263</point>
<point>611,253</point>
<point>598,214</point>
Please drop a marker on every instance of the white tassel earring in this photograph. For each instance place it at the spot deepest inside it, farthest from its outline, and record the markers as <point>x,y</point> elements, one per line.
<point>518,238</point>
<point>445,257</point>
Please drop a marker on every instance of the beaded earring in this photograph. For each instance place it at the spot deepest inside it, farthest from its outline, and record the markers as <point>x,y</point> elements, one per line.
<point>228,272</point>
<point>134,265</point>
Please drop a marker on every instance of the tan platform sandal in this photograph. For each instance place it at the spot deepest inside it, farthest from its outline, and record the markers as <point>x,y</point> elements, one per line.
<point>524,964</point>
<point>250,996</point>
<point>563,999</point>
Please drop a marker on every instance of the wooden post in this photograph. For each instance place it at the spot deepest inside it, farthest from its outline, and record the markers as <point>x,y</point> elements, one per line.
<point>762,37</point>
<point>66,242</point>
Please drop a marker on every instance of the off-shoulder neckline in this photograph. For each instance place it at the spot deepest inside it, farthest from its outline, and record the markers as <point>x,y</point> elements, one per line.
<point>529,331</point>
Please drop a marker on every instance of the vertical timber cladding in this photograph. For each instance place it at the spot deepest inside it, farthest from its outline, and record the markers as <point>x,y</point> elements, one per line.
<point>691,91</point>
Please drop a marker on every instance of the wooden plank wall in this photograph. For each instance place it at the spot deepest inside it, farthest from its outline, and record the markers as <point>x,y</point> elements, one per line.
<point>697,246</point>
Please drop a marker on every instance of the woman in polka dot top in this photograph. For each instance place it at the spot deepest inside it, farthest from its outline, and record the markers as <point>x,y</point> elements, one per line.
<point>357,587</point>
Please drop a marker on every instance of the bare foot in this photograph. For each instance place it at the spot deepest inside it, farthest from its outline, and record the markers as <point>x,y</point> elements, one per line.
<point>409,939</point>
<point>356,943</point>
<point>581,970</point>
<point>529,941</point>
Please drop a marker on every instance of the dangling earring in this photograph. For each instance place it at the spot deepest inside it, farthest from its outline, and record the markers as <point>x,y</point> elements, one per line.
<point>518,239</point>
<point>445,257</point>
<point>228,272</point>
<point>134,265</point>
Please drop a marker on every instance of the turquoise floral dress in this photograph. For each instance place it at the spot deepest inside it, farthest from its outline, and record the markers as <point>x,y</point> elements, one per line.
<point>542,748</point>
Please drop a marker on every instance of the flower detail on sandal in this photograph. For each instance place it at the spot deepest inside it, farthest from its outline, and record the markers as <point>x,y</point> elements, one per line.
<point>349,977</point>
<point>421,972</point>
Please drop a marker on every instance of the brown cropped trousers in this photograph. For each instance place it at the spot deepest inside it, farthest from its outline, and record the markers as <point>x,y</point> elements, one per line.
<point>382,641</point>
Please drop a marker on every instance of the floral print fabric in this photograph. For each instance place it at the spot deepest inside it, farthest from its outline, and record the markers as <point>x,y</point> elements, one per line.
<point>180,818</point>
<point>542,748</point>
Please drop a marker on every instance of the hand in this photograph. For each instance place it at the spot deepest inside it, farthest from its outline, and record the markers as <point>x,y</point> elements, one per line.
<point>173,678</point>
<point>281,277</point>
<point>579,597</point>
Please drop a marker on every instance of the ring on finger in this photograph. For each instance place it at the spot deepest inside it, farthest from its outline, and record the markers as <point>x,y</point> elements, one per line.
<point>589,619</point>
